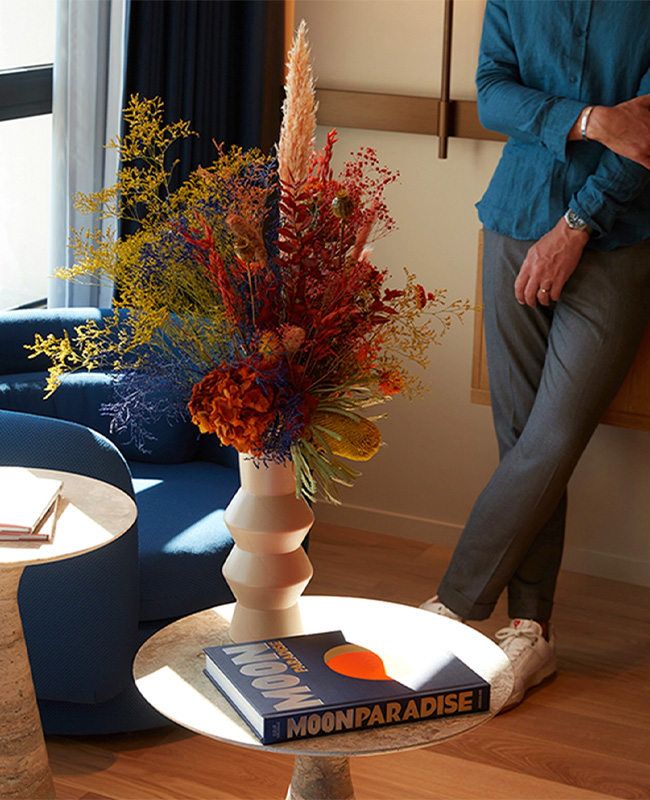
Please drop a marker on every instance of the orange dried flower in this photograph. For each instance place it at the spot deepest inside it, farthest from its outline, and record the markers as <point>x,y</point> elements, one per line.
<point>342,204</point>
<point>391,383</point>
<point>230,402</point>
<point>269,347</point>
<point>249,245</point>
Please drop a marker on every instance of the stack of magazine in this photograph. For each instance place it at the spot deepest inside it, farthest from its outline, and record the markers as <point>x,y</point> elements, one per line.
<point>27,505</point>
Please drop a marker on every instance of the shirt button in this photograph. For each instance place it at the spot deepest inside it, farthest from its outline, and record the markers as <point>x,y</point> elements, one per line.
<point>573,79</point>
<point>578,32</point>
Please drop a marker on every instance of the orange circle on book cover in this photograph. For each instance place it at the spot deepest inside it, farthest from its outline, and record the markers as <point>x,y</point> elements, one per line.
<point>355,661</point>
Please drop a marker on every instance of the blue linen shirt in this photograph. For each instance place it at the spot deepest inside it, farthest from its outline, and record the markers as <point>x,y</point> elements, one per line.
<point>541,63</point>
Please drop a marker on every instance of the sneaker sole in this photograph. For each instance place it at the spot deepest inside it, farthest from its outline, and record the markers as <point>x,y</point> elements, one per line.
<point>543,676</point>
<point>447,613</point>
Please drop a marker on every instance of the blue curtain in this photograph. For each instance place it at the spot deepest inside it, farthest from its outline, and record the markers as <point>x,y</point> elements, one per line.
<point>216,63</point>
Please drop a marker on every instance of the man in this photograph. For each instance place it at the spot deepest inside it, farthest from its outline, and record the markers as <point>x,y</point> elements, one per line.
<point>566,277</point>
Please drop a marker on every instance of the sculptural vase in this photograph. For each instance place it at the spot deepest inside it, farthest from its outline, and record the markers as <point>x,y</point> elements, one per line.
<point>267,569</point>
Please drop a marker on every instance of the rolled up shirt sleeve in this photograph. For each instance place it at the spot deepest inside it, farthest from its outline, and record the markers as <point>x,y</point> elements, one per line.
<point>615,184</point>
<point>609,191</point>
<point>505,104</point>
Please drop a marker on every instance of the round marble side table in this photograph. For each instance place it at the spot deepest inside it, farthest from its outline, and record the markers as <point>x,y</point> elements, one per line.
<point>169,672</point>
<point>89,515</point>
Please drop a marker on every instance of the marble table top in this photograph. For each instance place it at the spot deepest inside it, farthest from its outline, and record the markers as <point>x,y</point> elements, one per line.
<point>90,513</point>
<point>169,673</point>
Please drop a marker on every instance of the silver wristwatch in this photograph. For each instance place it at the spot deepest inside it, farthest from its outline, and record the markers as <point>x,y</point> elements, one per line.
<point>576,223</point>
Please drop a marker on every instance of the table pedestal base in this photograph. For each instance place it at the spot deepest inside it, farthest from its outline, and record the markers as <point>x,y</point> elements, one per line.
<point>321,778</point>
<point>24,766</point>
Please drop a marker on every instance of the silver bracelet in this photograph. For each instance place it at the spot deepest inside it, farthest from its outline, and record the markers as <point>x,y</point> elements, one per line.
<point>583,122</point>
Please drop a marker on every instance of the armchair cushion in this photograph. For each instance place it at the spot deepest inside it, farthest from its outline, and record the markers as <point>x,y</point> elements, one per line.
<point>183,538</point>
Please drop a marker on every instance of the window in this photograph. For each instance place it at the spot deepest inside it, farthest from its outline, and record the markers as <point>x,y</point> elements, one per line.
<point>26,56</point>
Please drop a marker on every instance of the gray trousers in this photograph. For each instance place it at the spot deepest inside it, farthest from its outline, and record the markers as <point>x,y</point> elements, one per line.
<point>553,372</point>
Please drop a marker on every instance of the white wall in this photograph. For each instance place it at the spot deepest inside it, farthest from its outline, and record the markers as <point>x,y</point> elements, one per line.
<point>440,450</point>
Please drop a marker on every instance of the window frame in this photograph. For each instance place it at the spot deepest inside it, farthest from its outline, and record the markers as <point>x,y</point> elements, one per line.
<point>26,92</point>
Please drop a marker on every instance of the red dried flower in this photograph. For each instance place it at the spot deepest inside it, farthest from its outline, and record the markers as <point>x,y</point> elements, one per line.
<point>420,296</point>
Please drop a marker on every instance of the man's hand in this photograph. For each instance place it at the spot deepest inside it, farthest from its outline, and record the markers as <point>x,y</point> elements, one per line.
<point>624,128</point>
<point>549,264</point>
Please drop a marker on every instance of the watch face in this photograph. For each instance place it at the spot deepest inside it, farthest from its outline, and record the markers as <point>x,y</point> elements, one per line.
<point>574,221</point>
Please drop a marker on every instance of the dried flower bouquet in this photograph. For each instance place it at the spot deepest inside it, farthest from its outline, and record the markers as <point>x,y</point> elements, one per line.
<point>248,298</point>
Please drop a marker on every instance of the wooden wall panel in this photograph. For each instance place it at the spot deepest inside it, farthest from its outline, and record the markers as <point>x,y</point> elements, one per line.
<point>399,113</point>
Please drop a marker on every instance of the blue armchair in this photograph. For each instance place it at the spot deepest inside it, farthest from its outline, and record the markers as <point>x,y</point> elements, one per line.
<point>85,617</point>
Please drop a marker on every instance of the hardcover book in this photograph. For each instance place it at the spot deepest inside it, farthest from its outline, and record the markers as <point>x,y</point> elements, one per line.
<point>27,505</point>
<point>315,684</point>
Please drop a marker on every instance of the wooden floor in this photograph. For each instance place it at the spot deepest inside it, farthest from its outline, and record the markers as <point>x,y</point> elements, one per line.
<point>585,735</point>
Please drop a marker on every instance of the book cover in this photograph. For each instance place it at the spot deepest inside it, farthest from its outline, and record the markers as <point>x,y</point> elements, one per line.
<point>317,684</point>
<point>27,505</point>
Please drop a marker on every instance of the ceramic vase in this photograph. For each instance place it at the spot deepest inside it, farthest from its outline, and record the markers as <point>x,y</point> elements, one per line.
<point>267,569</point>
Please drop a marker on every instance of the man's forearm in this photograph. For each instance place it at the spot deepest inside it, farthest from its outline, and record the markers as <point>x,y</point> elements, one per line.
<point>624,129</point>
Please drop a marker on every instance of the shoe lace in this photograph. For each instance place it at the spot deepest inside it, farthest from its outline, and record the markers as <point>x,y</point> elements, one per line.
<point>515,641</point>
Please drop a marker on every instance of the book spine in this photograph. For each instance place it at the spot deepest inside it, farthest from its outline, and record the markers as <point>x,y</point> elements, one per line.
<point>320,722</point>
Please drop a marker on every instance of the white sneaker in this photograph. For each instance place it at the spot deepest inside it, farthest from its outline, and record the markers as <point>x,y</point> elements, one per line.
<point>434,605</point>
<point>533,658</point>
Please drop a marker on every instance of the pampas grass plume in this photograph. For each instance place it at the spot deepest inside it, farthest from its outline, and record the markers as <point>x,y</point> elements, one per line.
<point>298,128</point>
